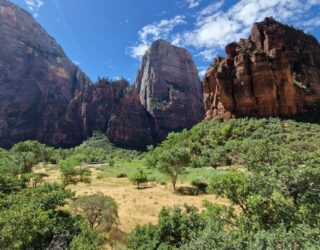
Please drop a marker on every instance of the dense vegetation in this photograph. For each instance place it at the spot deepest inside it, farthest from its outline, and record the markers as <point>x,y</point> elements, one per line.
<point>271,177</point>
<point>33,213</point>
<point>273,188</point>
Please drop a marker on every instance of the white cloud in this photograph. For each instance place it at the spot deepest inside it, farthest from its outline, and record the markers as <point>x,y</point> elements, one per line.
<point>202,71</point>
<point>34,6</point>
<point>152,32</point>
<point>313,22</point>
<point>192,3</point>
<point>214,28</point>
<point>75,62</point>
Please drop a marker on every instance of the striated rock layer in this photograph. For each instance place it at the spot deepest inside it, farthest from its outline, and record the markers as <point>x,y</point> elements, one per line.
<point>275,72</point>
<point>170,88</point>
<point>37,80</point>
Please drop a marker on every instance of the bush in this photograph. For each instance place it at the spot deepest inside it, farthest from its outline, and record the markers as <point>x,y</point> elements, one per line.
<point>99,210</point>
<point>139,178</point>
<point>175,228</point>
<point>201,185</point>
<point>29,154</point>
<point>122,175</point>
<point>72,172</point>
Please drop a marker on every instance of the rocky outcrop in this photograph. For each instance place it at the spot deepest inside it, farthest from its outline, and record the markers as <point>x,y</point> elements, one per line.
<point>37,80</point>
<point>170,88</point>
<point>275,72</point>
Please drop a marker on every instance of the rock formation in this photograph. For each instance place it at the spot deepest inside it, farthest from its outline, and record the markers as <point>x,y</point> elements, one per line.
<point>111,108</point>
<point>275,72</point>
<point>37,80</point>
<point>45,97</point>
<point>170,88</point>
<point>167,97</point>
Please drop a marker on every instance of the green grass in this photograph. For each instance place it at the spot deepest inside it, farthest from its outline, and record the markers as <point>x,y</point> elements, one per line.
<point>130,168</point>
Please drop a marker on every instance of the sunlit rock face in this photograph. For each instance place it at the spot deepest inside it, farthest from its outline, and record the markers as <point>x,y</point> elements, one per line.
<point>275,72</point>
<point>170,88</point>
<point>37,80</point>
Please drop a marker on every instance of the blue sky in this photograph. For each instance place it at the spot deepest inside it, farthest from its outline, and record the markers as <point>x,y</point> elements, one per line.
<point>108,37</point>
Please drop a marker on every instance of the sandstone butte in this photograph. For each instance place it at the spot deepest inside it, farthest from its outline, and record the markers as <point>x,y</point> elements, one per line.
<point>275,72</point>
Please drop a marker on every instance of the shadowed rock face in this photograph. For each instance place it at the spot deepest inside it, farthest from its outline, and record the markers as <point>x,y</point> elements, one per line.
<point>113,109</point>
<point>45,97</point>
<point>275,72</point>
<point>37,80</point>
<point>170,88</point>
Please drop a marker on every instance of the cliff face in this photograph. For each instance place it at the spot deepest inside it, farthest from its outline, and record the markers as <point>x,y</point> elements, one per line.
<point>275,72</point>
<point>167,97</point>
<point>45,97</point>
<point>111,108</point>
<point>37,80</point>
<point>170,88</point>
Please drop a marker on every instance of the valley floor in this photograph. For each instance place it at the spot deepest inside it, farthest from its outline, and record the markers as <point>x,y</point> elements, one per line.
<point>138,207</point>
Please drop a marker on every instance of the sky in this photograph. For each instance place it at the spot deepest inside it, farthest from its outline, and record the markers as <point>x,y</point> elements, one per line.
<point>107,38</point>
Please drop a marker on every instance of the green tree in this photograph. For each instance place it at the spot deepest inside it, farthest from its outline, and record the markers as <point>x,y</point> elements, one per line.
<point>29,154</point>
<point>139,178</point>
<point>176,227</point>
<point>72,172</point>
<point>8,165</point>
<point>99,210</point>
<point>173,163</point>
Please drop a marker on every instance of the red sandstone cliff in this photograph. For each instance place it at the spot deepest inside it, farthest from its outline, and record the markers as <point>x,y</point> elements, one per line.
<point>275,72</point>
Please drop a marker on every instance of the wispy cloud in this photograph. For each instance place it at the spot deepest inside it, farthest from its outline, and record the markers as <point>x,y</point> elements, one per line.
<point>34,6</point>
<point>152,32</point>
<point>214,27</point>
<point>192,3</point>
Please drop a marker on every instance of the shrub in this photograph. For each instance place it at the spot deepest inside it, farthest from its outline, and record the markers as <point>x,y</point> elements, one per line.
<point>29,154</point>
<point>139,178</point>
<point>122,175</point>
<point>72,172</point>
<point>99,210</point>
<point>175,228</point>
<point>201,185</point>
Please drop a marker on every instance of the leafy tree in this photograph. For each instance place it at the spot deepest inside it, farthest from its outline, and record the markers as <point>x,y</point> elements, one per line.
<point>87,239</point>
<point>176,227</point>
<point>10,184</point>
<point>29,154</point>
<point>99,210</point>
<point>34,179</point>
<point>139,178</point>
<point>29,219</point>
<point>47,154</point>
<point>173,163</point>
<point>72,172</point>
<point>8,165</point>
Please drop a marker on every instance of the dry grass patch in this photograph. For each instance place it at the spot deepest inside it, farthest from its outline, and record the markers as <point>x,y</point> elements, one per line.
<point>136,207</point>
